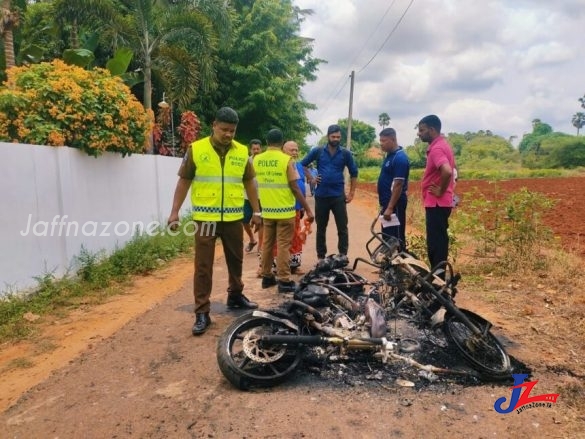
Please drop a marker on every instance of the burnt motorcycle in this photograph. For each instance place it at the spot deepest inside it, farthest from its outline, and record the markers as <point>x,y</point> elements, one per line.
<point>426,296</point>
<point>339,311</point>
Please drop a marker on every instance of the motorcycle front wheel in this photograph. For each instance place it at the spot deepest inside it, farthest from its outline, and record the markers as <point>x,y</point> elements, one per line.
<point>248,362</point>
<point>483,351</point>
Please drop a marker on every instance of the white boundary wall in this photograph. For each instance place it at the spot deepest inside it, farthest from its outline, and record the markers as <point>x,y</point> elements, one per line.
<point>44,184</point>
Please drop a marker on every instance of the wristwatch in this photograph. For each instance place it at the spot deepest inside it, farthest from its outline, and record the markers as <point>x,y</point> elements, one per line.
<point>258,214</point>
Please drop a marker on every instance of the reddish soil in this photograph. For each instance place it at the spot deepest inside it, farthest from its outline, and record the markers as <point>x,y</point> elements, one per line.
<point>130,367</point>
<point>566,219</point>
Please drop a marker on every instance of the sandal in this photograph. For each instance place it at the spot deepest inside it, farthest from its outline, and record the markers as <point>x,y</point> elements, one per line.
<point>250,246</point>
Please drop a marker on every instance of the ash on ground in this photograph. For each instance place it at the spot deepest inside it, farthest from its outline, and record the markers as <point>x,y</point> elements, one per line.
<point>362,369</point>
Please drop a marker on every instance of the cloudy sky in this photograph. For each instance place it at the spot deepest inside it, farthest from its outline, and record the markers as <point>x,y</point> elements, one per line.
<point>478,64</point>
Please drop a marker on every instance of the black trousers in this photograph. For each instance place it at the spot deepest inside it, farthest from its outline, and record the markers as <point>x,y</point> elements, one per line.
<point>398,231</point>
<point>336,205</point>
<point>437,223</point>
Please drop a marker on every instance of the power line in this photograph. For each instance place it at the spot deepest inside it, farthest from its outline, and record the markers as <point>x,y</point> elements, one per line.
<point>332,97</point>
<point>373,32</point>
<point>345,75</point>
<point>388,37</point>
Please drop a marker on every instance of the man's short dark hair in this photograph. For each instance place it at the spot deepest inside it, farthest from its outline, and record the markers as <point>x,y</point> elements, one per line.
<point>388,132</point>
<point>227,115</point>
<point>432,121</point>
<point>274,137</point>
<point>255,142</point>
<point>333,129</point>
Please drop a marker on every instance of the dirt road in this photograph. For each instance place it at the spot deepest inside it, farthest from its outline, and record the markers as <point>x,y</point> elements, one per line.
<point>131,368</point>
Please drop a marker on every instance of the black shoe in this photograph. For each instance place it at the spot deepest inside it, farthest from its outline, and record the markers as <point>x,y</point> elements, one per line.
<point>268,281</point>
<point>286,287</point>
<point>202,322</point>
<point>240,301</point>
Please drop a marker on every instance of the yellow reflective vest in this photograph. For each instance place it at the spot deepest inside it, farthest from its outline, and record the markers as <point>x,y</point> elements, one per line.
<point>278,201</point>
<point>217,191</point>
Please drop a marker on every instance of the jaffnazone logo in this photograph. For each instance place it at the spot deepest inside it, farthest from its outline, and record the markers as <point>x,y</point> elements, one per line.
<point>60,226</point>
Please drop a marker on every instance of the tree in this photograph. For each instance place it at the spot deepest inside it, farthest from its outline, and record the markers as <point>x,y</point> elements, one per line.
<point>417,154</point>
<point>73,13</point>
<point>540,128</point>
<point>175,41</point>
<point>262,72</point>
<point>384,120</point>
<point>578,121</point>
<point>568,152</point>
<point>9,19</point>
<point>531,142</point>
<point>362,134</point>
<point>41,38</point>
<point>484,152</point>
<point>582,100</point>
<point>458,141</point>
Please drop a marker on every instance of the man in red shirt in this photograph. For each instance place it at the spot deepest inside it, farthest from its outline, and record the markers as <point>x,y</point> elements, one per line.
<point>437,188</point>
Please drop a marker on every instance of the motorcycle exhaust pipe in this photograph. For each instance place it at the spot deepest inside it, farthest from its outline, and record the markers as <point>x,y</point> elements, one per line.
<point>309,340</point>
<point>317,340</point>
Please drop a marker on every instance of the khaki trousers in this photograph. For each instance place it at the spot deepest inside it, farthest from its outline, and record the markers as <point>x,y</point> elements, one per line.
<point>279,232</point>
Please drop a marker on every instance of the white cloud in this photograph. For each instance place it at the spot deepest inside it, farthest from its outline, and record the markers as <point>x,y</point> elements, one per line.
<point>543,54</point>
<point>478,64</point>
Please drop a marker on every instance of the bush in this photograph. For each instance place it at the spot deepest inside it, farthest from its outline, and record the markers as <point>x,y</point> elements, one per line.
<point>507,226</point>
<point>57,104</point>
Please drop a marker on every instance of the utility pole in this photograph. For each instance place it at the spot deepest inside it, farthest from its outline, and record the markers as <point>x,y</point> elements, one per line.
<point>349,117</point>
<point>352,76</point>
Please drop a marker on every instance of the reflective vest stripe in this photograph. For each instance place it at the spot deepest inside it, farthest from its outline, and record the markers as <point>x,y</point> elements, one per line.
<point>208,179</point>
<point>273,186</point>
<point>208,209</point>
<point>278,210</point>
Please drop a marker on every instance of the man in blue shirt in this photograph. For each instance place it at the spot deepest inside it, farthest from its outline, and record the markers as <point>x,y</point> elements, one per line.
<point>330,194</point>
<point>393,185</point>
<point>314,174</point>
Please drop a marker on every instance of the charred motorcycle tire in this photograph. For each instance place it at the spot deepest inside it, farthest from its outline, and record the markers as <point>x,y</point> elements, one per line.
<point>483,352</point>
<point>246,362</point>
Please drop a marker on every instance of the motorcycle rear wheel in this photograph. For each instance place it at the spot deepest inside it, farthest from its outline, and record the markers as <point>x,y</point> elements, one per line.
<point>484,352</point>
<point>246,362</point>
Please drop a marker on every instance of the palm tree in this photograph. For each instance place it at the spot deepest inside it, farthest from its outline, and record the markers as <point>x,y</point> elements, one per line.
<point>75,12</point>
<point>578,121</point>
<point>9,20</point>
<point>384,120</point>
<point>176,41</point>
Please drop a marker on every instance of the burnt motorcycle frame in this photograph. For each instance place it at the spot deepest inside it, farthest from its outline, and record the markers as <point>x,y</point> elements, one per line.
<point>263,347</point>
<point>431,301</point>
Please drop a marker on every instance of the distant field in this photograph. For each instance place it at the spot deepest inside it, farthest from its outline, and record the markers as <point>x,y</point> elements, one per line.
<point>566,219</point>
<point>370,174</point>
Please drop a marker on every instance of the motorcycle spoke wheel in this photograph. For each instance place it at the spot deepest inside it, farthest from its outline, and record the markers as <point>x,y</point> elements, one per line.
<point>248,362</point>
<point>483,351</point>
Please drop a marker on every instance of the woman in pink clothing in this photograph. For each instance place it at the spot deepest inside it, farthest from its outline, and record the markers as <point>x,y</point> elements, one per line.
<point>437,188</point>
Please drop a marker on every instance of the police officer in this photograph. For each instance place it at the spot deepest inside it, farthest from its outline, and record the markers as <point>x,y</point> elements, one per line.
<point>217,170</point>
<point>277,177</point>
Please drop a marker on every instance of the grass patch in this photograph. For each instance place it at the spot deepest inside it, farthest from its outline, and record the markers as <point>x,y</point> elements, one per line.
<point>97,278</point>
<point>574,396</point>
<point>370,174</point>
<point>20,363</point>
